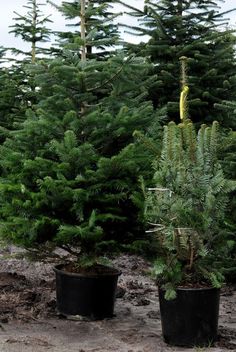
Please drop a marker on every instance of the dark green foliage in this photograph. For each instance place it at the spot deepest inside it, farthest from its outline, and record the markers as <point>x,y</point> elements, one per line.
<point>17,86</point>
<point>17,94</point>
<point>195,29</point>
<point>228,155</point>
<point>70,169</point>
<point>70,164</point>
<point>186,208</point>
<point>68,174</point>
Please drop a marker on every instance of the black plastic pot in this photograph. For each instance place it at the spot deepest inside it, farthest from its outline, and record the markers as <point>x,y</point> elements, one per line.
<point>92,296</point>
<point>191,319</point>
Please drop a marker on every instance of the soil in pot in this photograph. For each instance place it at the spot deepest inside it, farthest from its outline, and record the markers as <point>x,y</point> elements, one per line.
<point>89,293</point>
<point>191,319</point>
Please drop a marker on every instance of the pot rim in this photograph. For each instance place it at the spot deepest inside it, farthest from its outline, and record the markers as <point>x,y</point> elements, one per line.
<point>58,269</point>
<point>205,288</point>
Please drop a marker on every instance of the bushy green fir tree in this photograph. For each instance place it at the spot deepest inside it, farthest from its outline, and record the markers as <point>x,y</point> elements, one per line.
<point>70,171</point>
<point>197,30</point>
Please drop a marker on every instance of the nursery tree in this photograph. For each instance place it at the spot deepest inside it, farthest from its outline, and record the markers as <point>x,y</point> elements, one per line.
<point>186,207</point>
<point>187,203</point>
<point>15,97</point>
<point>93,26</point>
<point>228,156</point>
<point>17,92</point>
<point>70,170</point>
<point>68,173</point>
<point>197,30</point>
<point>31,28</point>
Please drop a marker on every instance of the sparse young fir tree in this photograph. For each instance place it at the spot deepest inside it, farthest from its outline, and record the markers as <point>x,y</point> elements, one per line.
<point>32,29</point>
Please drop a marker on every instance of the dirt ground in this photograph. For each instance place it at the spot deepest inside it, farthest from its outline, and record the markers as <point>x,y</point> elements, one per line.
<point>29,321</point>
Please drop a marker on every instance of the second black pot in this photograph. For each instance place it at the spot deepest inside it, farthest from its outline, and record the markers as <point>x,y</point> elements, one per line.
<point>191,319</point>
<point>92,296</point>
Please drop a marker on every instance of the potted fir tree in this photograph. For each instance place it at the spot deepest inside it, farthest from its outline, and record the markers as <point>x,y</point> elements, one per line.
<point>185,209</point>
<point>69,167</point>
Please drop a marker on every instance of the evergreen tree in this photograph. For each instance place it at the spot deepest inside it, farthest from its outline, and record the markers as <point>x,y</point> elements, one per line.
<point>228,156</point>
<point>17,92</point>
<point>69,172</point>
<point>94,27</point>
<point>186,208</point>
<point>15,97</point>
<point>63,170</point>
<point>195,29</point>
<point>31,28</point>
<point>228,153</point>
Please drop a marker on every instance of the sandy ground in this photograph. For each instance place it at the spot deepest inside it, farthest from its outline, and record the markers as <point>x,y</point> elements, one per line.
<point>29,321</point>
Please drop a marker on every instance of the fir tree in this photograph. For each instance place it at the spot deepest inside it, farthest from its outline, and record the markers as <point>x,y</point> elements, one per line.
<point>15,97</point>
<point>228,156</point>
<point>186,208</point>
<point>17,92</point>
<point>195,29</point>
<point>93,26</point>
<point>69,172</point>
<point>31,28</point>
<point>62,166</point>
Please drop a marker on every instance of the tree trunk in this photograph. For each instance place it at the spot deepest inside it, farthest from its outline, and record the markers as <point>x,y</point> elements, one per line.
<point>83,30</point>
<point>33,45</point>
